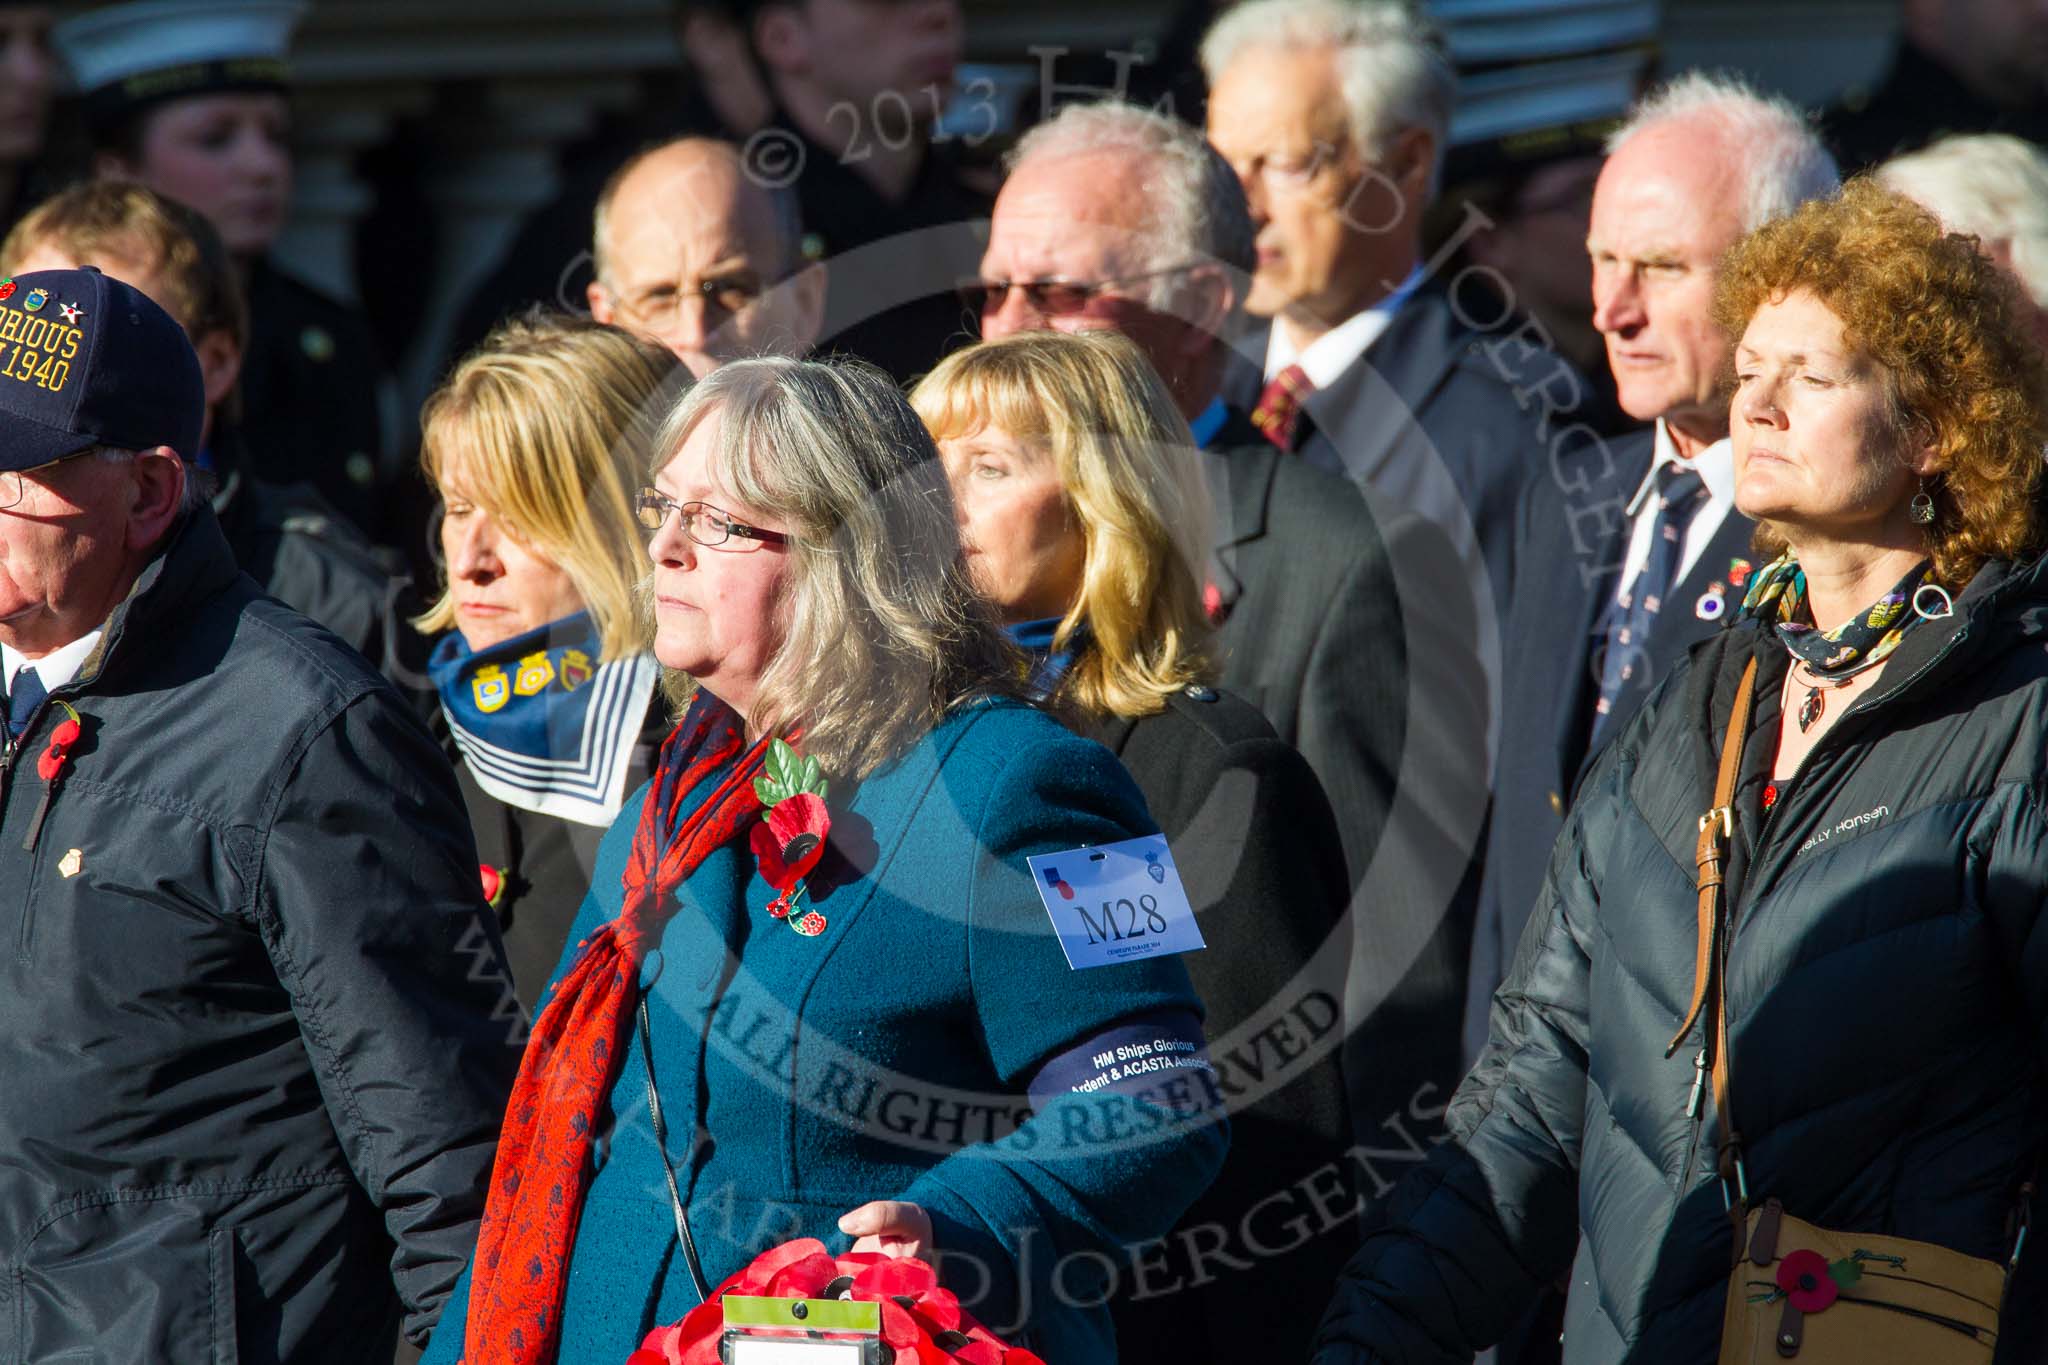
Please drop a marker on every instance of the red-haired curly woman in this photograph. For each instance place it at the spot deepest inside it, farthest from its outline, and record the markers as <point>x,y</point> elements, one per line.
<point>1848,1034</point>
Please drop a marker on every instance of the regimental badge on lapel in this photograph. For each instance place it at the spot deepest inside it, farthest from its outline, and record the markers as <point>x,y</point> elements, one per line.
<point>1738,573</point>
<point>575,669</point>
<point>491,688</point>
<point>72,863</point>
<point>535,673</point>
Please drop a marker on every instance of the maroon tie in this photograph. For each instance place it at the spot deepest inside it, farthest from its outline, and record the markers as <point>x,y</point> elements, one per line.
<point>1280,405</point>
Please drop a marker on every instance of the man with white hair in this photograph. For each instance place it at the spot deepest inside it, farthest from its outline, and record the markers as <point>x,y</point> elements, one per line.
<point>1342,622</point>
<point>1335,114</point>
<point>1643,550</point>
<point>1995,187</point>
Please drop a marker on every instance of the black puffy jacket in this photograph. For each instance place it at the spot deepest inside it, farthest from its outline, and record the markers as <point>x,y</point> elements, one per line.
<point>250,1074</point>
<point>1888,996</point>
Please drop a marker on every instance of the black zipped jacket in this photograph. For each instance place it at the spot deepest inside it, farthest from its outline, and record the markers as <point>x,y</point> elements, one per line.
<point>255,1033</point>
<point>1887,996</point>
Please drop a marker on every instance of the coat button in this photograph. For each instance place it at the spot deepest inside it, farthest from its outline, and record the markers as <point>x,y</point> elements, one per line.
<point>1201,693</point>
<point>1556,804</point>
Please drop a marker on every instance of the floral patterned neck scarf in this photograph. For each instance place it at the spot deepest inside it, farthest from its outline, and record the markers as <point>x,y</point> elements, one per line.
<point>1778,593</point>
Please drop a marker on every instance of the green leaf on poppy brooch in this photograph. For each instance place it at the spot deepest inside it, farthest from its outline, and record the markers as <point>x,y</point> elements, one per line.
<point>788,775</point>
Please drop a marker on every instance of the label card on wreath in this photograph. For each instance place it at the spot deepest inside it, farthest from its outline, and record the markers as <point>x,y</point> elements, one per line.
<point>1119,902</point>
<point>764,1331</point>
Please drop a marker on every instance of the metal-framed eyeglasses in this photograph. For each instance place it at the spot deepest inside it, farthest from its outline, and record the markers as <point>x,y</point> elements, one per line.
<point>1052,298</point>
<point>13,486</point>
<point>702,523</point>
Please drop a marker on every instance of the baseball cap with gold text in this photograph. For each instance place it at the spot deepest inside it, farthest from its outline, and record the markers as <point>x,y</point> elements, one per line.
<point>87,360</point>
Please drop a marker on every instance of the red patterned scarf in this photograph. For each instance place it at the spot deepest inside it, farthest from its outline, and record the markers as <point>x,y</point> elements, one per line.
<point>523,1249</point>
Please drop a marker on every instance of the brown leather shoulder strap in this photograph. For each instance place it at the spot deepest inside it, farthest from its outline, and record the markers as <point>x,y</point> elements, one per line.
<point>1717,827</point>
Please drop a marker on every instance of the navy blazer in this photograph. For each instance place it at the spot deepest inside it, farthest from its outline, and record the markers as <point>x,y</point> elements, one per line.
<point>1434,397</point>
<point>1574,523</point>
<point>1349,628</point>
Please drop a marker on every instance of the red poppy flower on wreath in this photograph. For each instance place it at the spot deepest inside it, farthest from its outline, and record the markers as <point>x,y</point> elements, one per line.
<point>921,1321</point>
<point>52,760</point>
<point>1807,1281</point>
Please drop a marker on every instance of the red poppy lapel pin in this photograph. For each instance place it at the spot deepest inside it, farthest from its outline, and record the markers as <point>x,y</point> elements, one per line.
<point>52,760</point>
<point>790,840</point>
<point>50,765</point>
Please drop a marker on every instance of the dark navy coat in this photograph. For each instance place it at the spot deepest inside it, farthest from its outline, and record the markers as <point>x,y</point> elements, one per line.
<point>1887,1011</point>
<point>256,1033</point>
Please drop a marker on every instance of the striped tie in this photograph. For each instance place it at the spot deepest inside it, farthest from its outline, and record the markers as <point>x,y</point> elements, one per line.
<point>1280,406</point>
<point>1679,494</point>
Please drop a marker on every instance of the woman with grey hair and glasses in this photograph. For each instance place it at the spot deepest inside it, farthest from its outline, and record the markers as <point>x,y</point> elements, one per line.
<point>866,961</point>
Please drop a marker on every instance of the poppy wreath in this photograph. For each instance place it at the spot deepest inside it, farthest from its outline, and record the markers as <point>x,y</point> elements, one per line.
<point>922,1323</point>
<point>790,839</point>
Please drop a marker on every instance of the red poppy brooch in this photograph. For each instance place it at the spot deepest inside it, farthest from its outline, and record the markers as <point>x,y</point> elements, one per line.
<point>52,760</point>
<point>791,838</point>
<point>50,765</point>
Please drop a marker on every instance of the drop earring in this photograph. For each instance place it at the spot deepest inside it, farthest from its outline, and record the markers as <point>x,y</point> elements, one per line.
<point>1921,510</point>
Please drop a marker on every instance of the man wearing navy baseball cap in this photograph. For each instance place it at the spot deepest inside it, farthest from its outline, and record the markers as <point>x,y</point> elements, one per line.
<point>256,1032</point>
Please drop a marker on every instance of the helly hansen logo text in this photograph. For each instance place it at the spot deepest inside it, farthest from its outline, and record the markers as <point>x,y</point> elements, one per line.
<point>1854,822</point>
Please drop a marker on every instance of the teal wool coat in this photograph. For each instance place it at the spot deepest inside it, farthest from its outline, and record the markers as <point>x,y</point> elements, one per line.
<point>888,1058</point>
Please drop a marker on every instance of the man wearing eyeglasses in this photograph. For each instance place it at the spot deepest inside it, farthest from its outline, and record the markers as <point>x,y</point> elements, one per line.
<point>253,1029</point>
<point>1347,622</point>
<point>1336,119</point>
<point>692,251</point>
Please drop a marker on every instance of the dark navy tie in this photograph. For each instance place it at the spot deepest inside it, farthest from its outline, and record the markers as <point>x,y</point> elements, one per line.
<point>1679,494</point>
<point>23,698</point>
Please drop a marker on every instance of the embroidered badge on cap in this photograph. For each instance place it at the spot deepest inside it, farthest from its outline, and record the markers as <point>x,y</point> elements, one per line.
<point>1120,902</point>
<point>35,300</point>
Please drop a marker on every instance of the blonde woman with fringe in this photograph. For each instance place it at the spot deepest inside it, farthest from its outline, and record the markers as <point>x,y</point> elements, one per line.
<point>546,696</point>
<point>1085,517</point>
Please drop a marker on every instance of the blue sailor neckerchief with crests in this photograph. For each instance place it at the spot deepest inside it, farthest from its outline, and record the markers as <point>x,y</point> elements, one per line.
<point>542,724</point>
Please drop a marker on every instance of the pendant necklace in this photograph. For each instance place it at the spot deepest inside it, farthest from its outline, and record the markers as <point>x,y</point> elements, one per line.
<point>1816,703</point>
